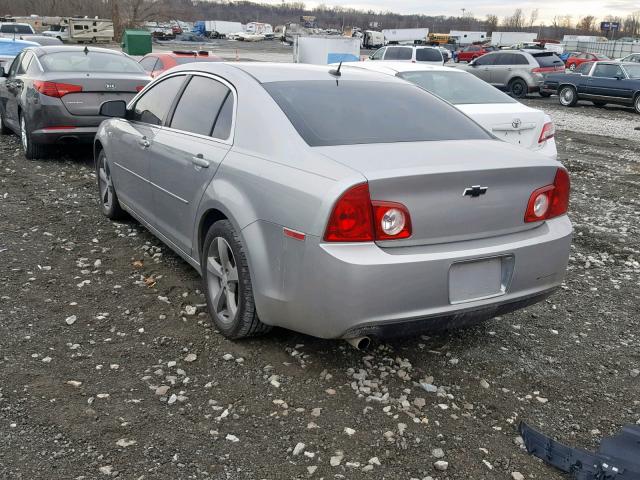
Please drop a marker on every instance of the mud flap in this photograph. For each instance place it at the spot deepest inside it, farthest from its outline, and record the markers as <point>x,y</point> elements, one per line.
<point>617,459</point>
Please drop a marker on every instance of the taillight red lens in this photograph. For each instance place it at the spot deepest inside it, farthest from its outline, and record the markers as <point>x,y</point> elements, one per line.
<point>355,218</point>
<point>391,221</point>
<point>139,88</point>
<point>549,201</point>
<point>55,89</point>
<point>548,132</point>
<point>351,219</point>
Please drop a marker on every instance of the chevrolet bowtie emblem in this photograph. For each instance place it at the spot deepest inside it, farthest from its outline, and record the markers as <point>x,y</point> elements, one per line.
<point>474,191</point>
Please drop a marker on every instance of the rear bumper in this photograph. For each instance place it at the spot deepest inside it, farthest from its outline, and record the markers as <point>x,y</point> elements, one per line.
<point>45,136</point>
<point>342,290</point>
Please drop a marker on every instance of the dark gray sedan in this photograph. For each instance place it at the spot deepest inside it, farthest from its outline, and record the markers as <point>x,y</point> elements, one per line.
<point>52,95</point>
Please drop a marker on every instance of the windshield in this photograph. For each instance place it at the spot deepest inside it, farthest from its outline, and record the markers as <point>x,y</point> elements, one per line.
<point>349,112</point>
<point>9,28</point>
<point>79,61</point>
<point>457,88</point>
<point>633,71</point>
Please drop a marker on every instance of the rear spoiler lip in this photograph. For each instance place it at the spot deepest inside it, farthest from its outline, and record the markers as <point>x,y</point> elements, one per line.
<point>618,457</point>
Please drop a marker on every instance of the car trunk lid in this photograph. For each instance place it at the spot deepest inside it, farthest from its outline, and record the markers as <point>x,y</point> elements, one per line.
<point>442,185</point>
<point>98,88</point>
<point>512,122</point>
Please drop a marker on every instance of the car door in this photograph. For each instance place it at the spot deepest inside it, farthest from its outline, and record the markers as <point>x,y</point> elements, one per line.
<point>500,70</point>
<point>187,153</point>
<point>609,80</point>
<point>14,86</point>
<point>132,150</point>
<point>481,67</point>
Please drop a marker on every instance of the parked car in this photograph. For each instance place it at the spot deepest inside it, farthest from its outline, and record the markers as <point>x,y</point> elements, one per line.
<point>52,95</point>
<point>497,112</point>
<point>409,53</point>
<point>599,82</point>
<point>566,55</point>
<point>11,29</point>
<point>306,205</point>
<point>472,52</point>
<point>518,72</point>
<point>10,48</point>
<point>156,63</point>
<point>634,57</point>
<point>574,62</point>
<point>42,40</point>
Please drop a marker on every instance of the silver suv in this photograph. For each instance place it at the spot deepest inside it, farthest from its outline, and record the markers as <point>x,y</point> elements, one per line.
<point>410,53</point>
<point>519,72</point>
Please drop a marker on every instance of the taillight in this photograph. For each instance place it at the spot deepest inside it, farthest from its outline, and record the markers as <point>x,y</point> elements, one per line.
<point>550,201</point>
<point>139,88</point>
<point>55,89</point>
<point>548,132</point>
<point>355,218</point>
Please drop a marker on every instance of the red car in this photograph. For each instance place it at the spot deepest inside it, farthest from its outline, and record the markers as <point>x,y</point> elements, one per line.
<point>472,52</point>
<point>575,61</point>
<point>156,63</point>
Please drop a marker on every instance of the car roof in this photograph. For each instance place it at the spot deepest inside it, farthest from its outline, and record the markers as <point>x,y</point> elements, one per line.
<point>391,67</point>
<point>278,72</point>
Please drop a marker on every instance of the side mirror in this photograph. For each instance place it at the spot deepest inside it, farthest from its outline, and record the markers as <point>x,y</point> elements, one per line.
<point>114,108</point>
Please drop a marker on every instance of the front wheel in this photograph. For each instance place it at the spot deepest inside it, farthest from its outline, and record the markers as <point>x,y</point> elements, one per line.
<point>32,151</point>
<point>568,96</point>
<point>108,198</point>
<point>518,88</point>
<point>227,282</point>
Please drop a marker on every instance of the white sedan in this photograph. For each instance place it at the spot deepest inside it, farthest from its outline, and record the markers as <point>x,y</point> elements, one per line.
<point>496,111</point>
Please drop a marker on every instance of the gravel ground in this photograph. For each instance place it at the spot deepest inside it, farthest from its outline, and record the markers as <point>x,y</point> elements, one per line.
<point>109,366</point>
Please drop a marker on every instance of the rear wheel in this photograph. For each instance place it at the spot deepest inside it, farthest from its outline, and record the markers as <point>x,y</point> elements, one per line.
<point>599,104</point>
<point>32,151</point>
<point>227,281</point>
<point>636,103</point>
<point>568,96</point>
<point>518,88</point>
<point>108,198</point>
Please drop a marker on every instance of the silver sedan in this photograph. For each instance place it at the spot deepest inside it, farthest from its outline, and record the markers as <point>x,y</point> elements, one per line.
<point>341,204</point>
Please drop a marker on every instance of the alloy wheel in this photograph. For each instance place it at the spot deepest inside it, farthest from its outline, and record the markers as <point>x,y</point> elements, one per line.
<point>106,186</point>
<point>222,276</point>
<point>567,96</point>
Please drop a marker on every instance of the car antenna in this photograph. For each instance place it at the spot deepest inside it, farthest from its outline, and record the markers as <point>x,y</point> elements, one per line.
<point>336,73</point>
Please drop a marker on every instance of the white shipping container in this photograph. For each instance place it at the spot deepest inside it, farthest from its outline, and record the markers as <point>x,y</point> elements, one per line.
<point>406,35</point>
<point>463,37</point>
<point>326,50</point>
<point>506,39</point>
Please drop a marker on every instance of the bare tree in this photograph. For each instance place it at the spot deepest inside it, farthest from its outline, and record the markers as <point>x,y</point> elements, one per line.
<point>515,21</point>
<point>533,17</point>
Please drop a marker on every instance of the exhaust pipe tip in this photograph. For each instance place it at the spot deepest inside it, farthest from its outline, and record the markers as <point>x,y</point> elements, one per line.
<point>359,343</point>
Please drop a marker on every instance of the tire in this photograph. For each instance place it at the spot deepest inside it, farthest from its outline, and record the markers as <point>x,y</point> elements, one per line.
<point>4,130</point>
<point>227,284</point>
<point>109,203</point>
<point>636,103</point>
<point>518,88</point>
<point>32,151</point>
<point>545,94</point>
<point>568,96</point>
<point>599,104</point>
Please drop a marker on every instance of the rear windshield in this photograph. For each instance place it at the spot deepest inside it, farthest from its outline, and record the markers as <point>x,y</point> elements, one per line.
<point>428,55</point>
<point>9,28</point>
<point>79,61</point>
<point>547,59</point>
<point>457,88</point>
<point>350,112</point>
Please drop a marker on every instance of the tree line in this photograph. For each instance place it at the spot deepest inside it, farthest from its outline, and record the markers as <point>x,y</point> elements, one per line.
<point>127,13</point>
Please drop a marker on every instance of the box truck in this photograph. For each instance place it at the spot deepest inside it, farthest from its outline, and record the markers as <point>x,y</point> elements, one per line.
<point>372,39</point>
<point>464,38</point>
<point>217,28</point>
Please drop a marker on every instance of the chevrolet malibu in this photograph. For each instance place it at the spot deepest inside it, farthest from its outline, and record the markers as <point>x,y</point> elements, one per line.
<point>340,203</point>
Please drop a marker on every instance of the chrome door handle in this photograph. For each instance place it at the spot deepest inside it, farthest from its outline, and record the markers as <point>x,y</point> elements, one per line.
<point>200,161</point>
<point>144,143</point>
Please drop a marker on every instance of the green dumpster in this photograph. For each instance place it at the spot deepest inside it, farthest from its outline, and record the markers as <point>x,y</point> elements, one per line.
<point>136,42</point>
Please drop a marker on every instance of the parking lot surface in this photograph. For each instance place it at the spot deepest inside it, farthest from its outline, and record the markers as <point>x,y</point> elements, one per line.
<point>109,366</point>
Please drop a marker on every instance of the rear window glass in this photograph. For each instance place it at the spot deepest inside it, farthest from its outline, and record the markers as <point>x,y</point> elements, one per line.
<point>428,55</point>
<point>350,112</point>
<point>78,61</point>
<point>457,88</point>
<point>9,28</point>
<point>548,60</point>
<point>399,53</point>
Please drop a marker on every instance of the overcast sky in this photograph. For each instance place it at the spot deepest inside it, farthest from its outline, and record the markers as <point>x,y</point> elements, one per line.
<point>548,8</point>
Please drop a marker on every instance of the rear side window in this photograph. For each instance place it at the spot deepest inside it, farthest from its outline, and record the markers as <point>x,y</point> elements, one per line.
<point>428,55</point>
<point>199,106</point>
<point>608,71</point>
<point>222,129</point>
<point>548,60</point>
<point>379,54</point>
<point>326,112</point>
<point>585,68</point>
<point>24,63</point>
<point>487,59</point>
<point>154,105</point>
<point>399,53</point>
<point>512,59</point>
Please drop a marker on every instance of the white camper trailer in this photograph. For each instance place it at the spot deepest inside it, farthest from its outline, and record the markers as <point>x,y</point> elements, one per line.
<point>83,30</point>
<point>506,39</point>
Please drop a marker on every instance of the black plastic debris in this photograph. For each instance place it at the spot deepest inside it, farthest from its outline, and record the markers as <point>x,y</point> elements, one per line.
<point>617,459</point>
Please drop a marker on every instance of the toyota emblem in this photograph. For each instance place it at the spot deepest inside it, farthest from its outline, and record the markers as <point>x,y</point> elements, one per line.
<point>516,123</point>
